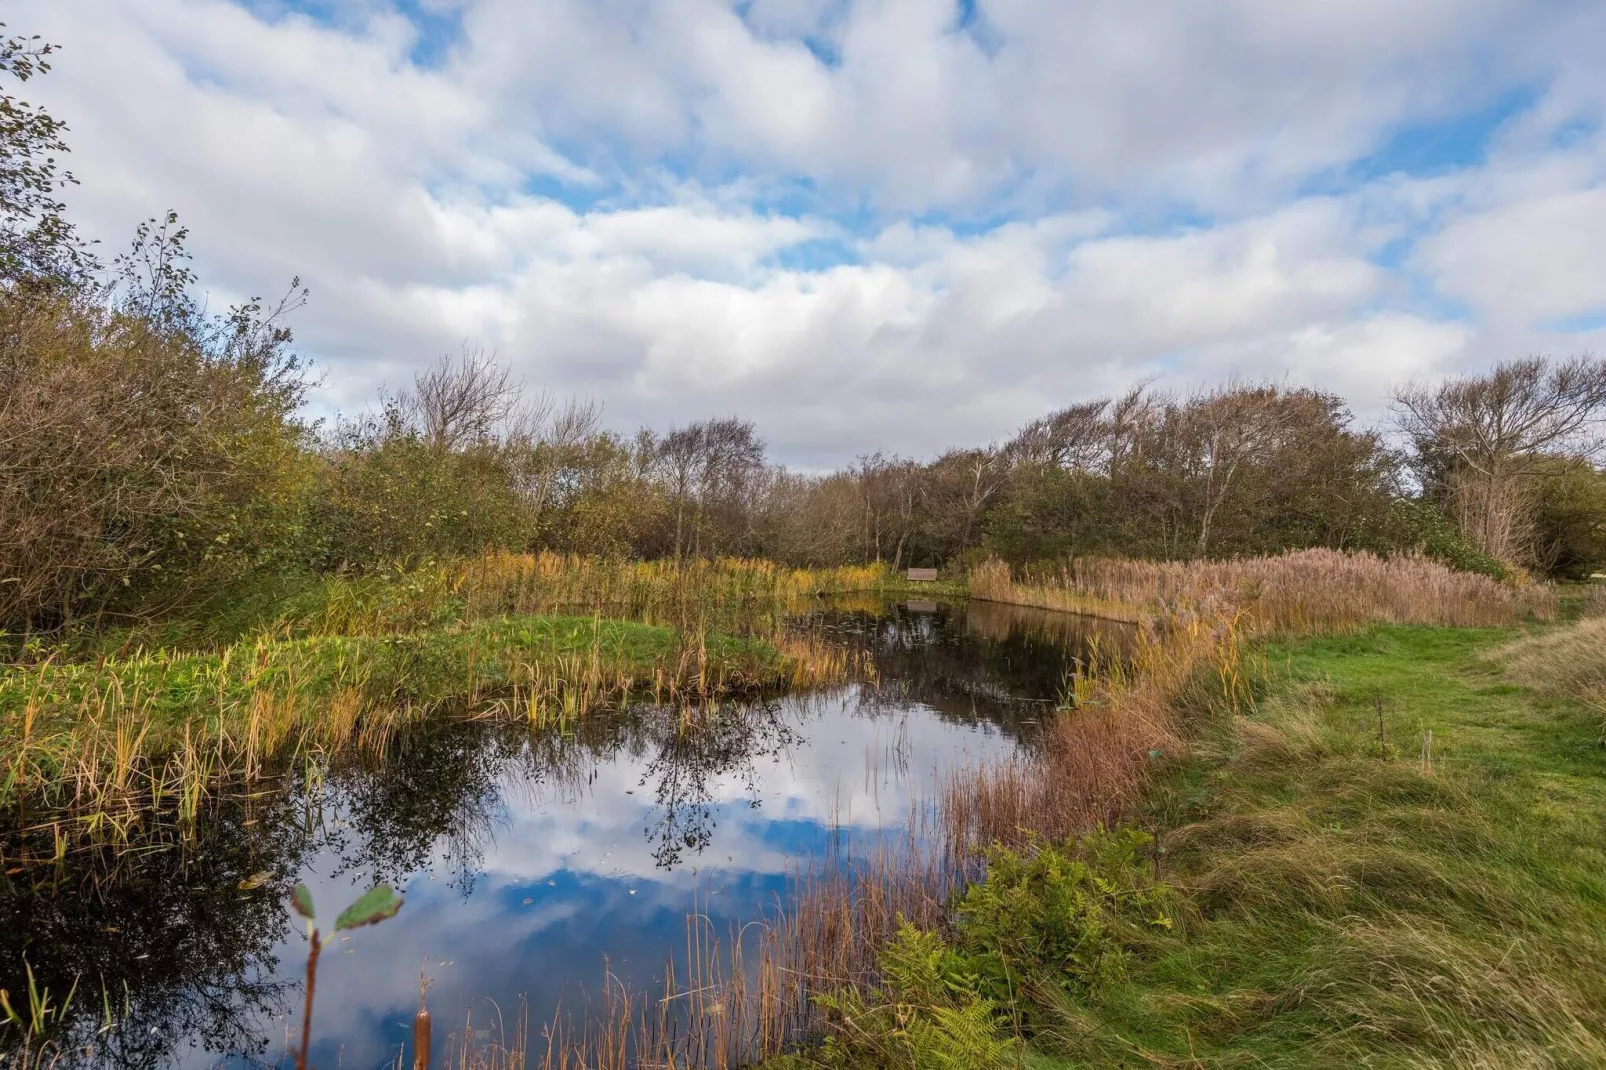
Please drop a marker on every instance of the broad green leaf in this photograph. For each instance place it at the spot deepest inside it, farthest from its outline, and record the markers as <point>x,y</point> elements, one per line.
<point>374,905</point>
<point>301,900</point>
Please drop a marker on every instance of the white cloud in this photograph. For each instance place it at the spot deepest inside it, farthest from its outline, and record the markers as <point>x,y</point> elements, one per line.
<point>1533,260</point>
<point>980,222</point>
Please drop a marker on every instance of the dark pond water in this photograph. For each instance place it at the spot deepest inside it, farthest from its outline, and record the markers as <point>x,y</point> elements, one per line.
<point>524,859</point>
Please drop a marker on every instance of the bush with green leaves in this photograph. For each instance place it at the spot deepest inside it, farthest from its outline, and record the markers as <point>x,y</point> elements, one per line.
<point>1067,917</point>
<point>1419,525</point>
<point>1569,538</point>
<point>1049,919</point>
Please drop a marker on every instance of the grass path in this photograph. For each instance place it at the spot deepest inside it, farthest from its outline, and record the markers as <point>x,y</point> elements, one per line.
<point>1349,905</point>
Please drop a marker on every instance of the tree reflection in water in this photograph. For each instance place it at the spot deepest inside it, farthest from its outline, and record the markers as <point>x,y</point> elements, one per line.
<point>176,938</point>
<point>701,748</point>
<point>160,938</point>
<point>179,937</point>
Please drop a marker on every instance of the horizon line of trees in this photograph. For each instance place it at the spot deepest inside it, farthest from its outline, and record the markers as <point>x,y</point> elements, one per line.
<point>154,455</point>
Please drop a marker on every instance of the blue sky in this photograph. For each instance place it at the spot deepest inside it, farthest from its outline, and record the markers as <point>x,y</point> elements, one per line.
<point>864,224</point>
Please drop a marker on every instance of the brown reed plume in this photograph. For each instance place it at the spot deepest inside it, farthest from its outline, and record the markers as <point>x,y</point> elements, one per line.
<point>1301,591</point>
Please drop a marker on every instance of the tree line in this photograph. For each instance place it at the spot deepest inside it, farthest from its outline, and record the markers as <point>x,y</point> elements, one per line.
<point>154,454</point>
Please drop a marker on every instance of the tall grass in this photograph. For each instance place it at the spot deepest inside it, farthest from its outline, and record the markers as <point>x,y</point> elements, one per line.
<point>1567,661</point>
<point>1299,592</point>
<point>93,736</point>
<point>714,593</point>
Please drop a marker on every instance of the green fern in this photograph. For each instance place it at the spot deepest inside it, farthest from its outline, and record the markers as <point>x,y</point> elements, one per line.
<point>1068,916</point>
<point>927,1013</point>
<point>1055,922</point>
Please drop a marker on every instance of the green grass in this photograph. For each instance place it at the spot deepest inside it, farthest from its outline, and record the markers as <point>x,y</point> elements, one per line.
<point>895,586</point>
<point>1351,906</point>
<point>1339,902</point>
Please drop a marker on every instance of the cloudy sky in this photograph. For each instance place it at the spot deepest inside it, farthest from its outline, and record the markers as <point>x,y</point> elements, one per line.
<point>863,223</point>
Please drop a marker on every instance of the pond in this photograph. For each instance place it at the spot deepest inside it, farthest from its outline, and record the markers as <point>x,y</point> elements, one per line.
<point>529,863</point>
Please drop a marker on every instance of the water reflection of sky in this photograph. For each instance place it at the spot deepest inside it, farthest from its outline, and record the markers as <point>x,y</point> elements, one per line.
<point>527,858</point>
<point>570,874</point>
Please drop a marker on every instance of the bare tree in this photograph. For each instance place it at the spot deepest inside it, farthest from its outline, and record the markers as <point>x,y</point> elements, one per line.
<point>1076,437</point>
<point>462,399</point>
<point>1132,419</point>
<point>1486,439</point>
<point>733,455</point>
<point>962,483</point>
<point>679,453</point>
<point>707,466</point>
<point>545,440</point>
<point>1233,428</point>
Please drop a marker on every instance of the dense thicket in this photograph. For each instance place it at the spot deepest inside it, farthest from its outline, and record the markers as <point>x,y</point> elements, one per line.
<point>154,456</point>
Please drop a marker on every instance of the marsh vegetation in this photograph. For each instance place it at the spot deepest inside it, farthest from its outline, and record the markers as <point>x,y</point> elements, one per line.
<point>1234,733</point>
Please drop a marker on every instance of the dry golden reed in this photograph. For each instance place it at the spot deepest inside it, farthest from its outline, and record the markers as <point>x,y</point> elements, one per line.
<point>1568,661</point>
<point>1299,592</point>
<point>498,583</point>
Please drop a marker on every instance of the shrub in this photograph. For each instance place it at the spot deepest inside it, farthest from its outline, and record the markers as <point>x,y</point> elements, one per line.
<point>1570,521</point>
<point>1415,525</point>
<point>1061,918</point>
<point>1065,916</point>
<point>142,459</point>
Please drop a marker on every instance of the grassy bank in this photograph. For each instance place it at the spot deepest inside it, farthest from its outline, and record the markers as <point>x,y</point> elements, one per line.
<point>91,733</point>
<point>1391,858</point>
<point>109,711</point>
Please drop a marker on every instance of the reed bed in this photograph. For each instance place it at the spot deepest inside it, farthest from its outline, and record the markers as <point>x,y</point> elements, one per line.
<point>1300,592</point>
<point>349,660</point>
<point>94,737</point>
<point>1123,717</point>
<point>712,593</point>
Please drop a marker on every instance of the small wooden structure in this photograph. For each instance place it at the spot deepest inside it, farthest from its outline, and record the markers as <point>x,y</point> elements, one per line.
<point>922,575</point>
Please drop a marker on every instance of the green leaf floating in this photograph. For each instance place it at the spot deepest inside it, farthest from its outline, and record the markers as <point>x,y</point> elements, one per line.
<point>301,900</point>
<point>374,905</point>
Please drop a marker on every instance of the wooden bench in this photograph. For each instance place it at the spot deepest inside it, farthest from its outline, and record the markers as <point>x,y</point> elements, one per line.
<point>922,575</point>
